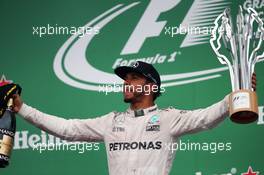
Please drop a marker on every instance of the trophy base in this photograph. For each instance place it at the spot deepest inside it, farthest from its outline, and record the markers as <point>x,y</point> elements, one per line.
<point>243,106</point>
<point>244,117</point>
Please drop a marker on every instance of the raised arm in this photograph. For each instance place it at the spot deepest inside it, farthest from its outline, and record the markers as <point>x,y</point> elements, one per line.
<point>67,129</point>
<point>184,122</point>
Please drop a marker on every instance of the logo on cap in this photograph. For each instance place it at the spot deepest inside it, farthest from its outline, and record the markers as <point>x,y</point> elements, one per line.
<point>135,64</point>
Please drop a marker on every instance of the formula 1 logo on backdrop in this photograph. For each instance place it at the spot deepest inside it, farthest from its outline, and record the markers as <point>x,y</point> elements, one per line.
<point>71,63</point>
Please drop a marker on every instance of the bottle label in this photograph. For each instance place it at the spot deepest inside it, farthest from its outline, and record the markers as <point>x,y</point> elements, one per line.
<point>6,145</point>
<point>3,157</point>
<point>6,132</point>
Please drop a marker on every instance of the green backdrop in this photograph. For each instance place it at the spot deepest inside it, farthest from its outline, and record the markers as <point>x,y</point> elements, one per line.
<point>28,59</point>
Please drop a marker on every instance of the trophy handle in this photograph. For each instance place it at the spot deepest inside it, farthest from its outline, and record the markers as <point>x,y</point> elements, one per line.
<point>222,58</point>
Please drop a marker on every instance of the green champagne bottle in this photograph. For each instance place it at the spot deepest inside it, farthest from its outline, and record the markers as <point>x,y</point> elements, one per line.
<point>7,133</point>
<point>7,122</point>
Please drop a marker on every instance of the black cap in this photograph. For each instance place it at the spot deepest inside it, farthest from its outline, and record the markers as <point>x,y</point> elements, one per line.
<point>143,68</point>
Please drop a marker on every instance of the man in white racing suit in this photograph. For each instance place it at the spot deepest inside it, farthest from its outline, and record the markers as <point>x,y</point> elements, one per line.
<point>138,141</point>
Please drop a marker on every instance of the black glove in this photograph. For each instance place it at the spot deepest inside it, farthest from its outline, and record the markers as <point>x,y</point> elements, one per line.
<point>6,92</point>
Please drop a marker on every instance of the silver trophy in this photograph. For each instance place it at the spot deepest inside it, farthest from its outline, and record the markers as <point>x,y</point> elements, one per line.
<point>240,48</point>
